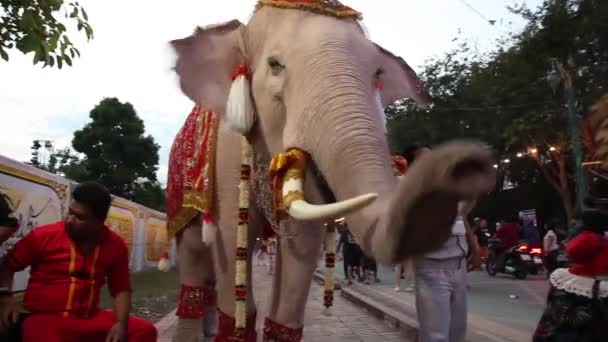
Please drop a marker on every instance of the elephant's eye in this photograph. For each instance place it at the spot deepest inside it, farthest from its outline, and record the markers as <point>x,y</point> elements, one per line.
<point>275,66</point>
<point>379,72</point>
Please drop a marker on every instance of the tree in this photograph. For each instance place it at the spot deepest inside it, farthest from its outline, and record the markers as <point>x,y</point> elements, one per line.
<point>504,99</point>
<point>112,149</point>
<point>32,26</point>
<point>46,157</point>
<point>118,154</point>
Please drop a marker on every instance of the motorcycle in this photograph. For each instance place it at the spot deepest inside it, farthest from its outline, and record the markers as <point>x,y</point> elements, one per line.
<point>537,264</point>
<point>517,260</point>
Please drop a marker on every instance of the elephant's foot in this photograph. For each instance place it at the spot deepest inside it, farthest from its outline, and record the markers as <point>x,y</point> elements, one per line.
<point>227,333</point>
<point>187,330</point>
<point>277,332</point>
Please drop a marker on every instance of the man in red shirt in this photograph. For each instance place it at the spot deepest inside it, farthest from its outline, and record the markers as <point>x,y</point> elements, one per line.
<point>70,262</point>
<point>508,235</point>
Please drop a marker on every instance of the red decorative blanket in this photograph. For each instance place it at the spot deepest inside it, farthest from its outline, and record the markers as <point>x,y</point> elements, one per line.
<point>191,170</point>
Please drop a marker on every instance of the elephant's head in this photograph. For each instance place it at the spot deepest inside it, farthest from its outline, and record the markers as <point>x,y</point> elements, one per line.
<point>318,84</point>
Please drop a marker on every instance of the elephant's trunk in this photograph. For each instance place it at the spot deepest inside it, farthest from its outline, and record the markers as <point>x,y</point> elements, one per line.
<point>348,145</point>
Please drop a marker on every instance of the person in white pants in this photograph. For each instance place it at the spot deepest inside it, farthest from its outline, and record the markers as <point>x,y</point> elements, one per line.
<point>441,287</point>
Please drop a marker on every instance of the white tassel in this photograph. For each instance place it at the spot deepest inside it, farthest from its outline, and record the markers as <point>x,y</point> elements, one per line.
<point>207,232</point>
<point>164,264</point>
<point>239,109</point>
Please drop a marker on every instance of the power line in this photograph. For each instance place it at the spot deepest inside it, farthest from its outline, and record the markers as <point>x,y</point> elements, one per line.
<point>491,22</point>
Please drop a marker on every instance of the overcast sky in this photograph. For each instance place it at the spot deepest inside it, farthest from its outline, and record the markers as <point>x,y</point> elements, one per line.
<point>130,59</point>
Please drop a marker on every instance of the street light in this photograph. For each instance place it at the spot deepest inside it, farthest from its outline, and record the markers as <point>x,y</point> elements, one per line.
<point>559,75</point>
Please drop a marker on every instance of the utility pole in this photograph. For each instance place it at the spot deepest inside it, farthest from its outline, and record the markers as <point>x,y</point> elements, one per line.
<point>557,76</point>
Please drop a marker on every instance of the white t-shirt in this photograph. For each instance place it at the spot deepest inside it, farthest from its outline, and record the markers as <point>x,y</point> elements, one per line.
<point>459,228</point>
<point>456,245</point>
<point>550,241</point>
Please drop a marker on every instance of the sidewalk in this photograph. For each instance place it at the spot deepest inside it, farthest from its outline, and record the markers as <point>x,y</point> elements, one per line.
<point>400,308</point>
<point>347,323</point>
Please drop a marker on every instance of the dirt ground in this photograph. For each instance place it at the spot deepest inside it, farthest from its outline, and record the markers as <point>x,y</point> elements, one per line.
<point>155,294</point>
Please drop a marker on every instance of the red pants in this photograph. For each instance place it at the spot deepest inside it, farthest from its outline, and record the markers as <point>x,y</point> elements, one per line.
<point>55,328</point>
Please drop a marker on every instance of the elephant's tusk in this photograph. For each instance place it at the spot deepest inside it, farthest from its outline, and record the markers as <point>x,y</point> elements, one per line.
<point>303,210</point>
<point>287,171</point>
<point>298,208</point>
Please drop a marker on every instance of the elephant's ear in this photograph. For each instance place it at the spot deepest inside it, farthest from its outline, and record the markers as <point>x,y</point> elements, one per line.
<point>206,61</point>
<point>400,80</point>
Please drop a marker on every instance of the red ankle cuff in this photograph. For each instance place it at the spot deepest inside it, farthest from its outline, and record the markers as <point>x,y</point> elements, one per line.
<point>227,333</point>
<point>277,332</point>
<point>191,302</point>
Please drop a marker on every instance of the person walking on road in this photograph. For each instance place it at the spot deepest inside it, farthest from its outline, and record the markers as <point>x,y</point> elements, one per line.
<point>351,254</point>
<point>551,248</point>
<point>405,271</point>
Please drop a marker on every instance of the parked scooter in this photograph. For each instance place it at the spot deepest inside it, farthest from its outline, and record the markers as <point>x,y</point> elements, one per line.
<point>516,260</point>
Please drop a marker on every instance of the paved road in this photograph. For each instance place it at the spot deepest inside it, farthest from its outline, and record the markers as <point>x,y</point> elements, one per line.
<point>489,297</point>
<point>347,323</point>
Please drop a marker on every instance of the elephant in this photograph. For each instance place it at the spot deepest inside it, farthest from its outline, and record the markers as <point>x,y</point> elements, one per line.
<point>318,85</point>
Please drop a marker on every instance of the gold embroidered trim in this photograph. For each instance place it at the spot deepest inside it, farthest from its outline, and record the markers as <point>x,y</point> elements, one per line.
<point>321,6</point>
<point>60,189</point>
<point>293,174</point>
<point>291,197</point>
<point>284,166</point>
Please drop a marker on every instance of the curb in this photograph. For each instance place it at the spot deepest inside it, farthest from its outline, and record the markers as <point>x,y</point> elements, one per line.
<point>408,326</point>
<point>319,277</point>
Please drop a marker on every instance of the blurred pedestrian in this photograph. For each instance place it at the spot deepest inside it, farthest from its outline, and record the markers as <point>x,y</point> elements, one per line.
<point>577,304</point>
<point>369,269</point>
<point>551,249</point>
<point>351,254</point>
<point>405,271</point>
<point>441,287</point>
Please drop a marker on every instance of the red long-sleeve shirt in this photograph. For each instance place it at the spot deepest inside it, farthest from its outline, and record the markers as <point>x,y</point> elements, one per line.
<point>508,235</point>
<point>62,279</point>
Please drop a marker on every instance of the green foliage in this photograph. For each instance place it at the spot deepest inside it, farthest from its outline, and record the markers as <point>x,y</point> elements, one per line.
<point>118,154</point>
<point>32,26</point>
<point>111,149</point>
<point>504,97</point>
<point>59,161</point>
<point>151,194</point>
